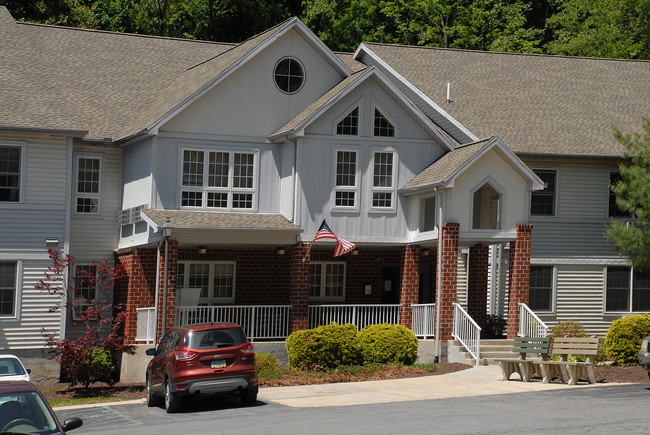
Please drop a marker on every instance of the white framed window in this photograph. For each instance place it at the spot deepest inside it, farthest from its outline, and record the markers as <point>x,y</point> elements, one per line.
<point>626,290</point>
<point>486,206</point>
<point>88,183</point>
<point>543,202</point>
<point>11,171</point>
<point>384,167</point>
<point>327,280</point>
<point>85,288</point>
<point>542,286</point>
<point>289,75</point>
<point>8,288</point>
<point>382,125</point>
<point>428,214</point>
<point>349,124</point>
<point>216,280</point>
<point>346,179</point>
<point>219,179</point>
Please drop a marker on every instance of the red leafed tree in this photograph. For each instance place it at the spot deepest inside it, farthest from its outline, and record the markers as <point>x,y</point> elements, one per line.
<point>91,357</point>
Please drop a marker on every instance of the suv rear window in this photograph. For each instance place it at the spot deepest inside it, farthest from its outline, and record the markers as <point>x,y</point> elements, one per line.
<point>215,338</point>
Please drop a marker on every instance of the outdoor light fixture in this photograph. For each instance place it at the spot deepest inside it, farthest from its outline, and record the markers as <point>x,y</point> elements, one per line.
<point>280,250</point>
<point>203,249</point>
<point>167,229</point>
<point>425,252</point>
<point>355,251</point>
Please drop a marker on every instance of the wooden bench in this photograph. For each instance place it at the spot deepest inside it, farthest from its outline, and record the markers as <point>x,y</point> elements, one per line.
<point>568,370</point>
<point>524,346</point>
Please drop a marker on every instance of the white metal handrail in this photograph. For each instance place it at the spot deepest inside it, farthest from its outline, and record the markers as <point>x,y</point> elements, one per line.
<point>467,332</point>
<point>146,324</point>
<point>529,324</point>
<point>424,320</point>
<point>258,321</point>
<point>360,315</point>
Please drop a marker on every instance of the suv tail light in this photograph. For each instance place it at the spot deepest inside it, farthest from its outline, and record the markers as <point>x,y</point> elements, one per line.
<point>248,348</point>
<point>181,355</point>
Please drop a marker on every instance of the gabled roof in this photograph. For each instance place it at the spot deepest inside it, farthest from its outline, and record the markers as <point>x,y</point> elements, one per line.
<point>537,104</point>
<point>220,221</point>
<point>443,172</point>
<point>316,109</point>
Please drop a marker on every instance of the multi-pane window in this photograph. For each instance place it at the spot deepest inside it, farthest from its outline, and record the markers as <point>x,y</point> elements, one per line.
<point>216,280</point>
<point>289,75</point>
<point>382,126</point>
<point>541,288</point>
<point>350,124</point>
<point>327,280</point>
<point>542,202</point>
<point>382,180</point>
<point>345,190</point>
<point>613,209</point>
<point>85,288</point>
<point>218,179</point>
<point>627,290</point>
<point>88,184</point>
<point>10,173</point>
<point>7,288</point>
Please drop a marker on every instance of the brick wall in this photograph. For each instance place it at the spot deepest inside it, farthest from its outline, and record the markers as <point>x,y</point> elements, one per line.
<point>519,276</point>
<point>299,286</point>
<point>410,283</point>
<point>449,278</point>
<point>477,284</point>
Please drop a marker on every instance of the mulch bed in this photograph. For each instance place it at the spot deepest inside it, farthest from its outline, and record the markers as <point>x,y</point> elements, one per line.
<point>604,374</point>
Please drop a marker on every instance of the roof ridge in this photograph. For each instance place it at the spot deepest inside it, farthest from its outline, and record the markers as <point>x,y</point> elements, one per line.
<point>464,50</point>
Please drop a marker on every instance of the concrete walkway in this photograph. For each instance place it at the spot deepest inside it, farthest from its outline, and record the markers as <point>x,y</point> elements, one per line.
<point>477,381</point>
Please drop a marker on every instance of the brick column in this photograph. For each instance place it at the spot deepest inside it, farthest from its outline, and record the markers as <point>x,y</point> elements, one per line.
<point>477,283</point>
<point>449,278</point>
<point>299,286</point>
<point>170,310</point>
<point>410,288</point>
<point>519,276</point>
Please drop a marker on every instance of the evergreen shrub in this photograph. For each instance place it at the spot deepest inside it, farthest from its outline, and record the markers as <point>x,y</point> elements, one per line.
<point>388,344</point>
<point>267,364</point>
<point>624,339</point>
<point>324,347</point>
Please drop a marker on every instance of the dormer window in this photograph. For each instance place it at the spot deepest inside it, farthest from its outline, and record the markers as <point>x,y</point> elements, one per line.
<point>289,75</point>
<point>350,124</point>
<point>383,127</point>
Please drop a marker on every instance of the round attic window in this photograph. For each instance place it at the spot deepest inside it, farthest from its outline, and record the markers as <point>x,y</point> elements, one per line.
<point>289,75</point>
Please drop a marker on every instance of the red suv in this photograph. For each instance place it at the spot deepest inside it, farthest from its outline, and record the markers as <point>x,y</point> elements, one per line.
<point>202,360</point>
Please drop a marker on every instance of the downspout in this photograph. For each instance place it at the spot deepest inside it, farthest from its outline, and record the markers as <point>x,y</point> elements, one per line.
<point>439,275</point>
<point>66,235</point>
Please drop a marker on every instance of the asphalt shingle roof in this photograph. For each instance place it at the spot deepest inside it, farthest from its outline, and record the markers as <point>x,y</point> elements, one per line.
<point>196,220</point>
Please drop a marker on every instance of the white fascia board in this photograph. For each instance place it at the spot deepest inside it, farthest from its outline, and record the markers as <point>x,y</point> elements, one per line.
<point>294,22</point>
<point>363,49</point>
<point>534,182</point>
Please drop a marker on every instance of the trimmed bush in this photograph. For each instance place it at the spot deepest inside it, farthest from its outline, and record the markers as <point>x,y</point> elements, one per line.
<point>323,347</point>
<point>568,328</point>
<point>624,339</point>
<point>494,326</point>
<point>267,364</point>
<point>388,344</point>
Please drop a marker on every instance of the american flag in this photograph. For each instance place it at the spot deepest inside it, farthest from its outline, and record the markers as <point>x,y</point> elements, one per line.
<point>342,245</point>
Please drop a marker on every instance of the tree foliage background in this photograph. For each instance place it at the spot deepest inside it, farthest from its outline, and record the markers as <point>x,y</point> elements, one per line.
<point>599,28</point>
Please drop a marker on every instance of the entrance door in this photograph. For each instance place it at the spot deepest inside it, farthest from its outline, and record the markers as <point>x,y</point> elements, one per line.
<point>391,284</point>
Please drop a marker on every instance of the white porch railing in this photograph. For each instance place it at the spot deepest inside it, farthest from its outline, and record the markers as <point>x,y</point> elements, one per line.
<point>529,324</point>
<point>258,321</point>
<point>359,315</point>
<point>146,324</point>
<point>424,320</point>
<point>467,332</point>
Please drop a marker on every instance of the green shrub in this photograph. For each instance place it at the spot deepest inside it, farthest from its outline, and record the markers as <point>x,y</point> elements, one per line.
<point>624,338</point>
<point>494,326</point>
<point>388,344</point>
<point>268,364</point>
<point>323,347</point>
<point>568,328</point>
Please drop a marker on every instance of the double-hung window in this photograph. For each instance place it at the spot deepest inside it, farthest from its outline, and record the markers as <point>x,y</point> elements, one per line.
<point>88,180</point>
<point>8,288</point>
<point>627,290</point>
<point>346,179</point>
<point>327,280</point>
<point>541,288</point>
<point>85,291</point>
<point>542,202</point>
<point>10,168</point>
<point>219,179</point>
<point>383,180</point>
<point>215,281</point>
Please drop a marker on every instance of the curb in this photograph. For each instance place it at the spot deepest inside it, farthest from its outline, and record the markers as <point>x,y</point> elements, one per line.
<point>100,404</point>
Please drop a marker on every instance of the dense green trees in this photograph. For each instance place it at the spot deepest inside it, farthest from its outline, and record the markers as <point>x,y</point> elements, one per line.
<point>602,28</point>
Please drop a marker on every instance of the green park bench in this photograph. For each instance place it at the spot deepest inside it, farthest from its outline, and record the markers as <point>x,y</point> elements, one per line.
<point>525,346</point>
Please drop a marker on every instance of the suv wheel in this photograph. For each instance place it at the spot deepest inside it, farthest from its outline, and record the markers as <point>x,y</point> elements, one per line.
<point>248,396</point>
<point>172,401</point>
<point>152,399</point>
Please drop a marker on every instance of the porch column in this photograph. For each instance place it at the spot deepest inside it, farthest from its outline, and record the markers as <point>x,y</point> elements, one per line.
<point>477,283</point>
<point>410,288</point>
<point>449,278</point>
<point>519,276</point>
<point>169,312</point>
<point>299,286</point>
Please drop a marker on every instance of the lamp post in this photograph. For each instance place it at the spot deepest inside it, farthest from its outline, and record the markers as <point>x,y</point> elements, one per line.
<point>167,230</point>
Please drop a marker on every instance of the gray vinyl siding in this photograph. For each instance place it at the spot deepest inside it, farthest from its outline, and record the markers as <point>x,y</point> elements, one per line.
<point>46,167</point>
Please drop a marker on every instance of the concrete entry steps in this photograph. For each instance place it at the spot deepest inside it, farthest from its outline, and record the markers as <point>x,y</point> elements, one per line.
<point>491,350</point>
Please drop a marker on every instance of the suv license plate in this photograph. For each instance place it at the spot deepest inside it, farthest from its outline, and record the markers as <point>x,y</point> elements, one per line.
<point>218,364</point>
